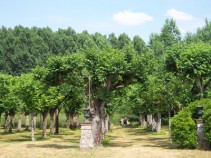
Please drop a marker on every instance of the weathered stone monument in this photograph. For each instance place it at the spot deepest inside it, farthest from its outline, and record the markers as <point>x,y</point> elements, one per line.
<point>87,140</point>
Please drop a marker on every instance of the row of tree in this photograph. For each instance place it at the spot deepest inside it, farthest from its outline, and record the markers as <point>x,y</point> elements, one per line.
<point>103,73</point>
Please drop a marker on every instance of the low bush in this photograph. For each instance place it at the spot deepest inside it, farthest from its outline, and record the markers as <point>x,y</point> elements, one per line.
<point>184,129</point>
<point>106,140</point>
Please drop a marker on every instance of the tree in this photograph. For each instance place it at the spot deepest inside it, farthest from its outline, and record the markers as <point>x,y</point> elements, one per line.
<point>108,71</point>
<point>194,64</point>
<point>113,40</point>
<point>139,44</point>
<point>123,41</point>
<point>170,33</point>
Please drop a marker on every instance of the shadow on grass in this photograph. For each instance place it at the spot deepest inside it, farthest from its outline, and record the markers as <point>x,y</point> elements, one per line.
<point>163,144</point>
<point>16,139</point>
<point>56,146</point>
<point>119,144</point>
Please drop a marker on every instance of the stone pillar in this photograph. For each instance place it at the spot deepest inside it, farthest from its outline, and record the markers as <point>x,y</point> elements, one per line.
<point>202,141</point>
<point>87,139</point>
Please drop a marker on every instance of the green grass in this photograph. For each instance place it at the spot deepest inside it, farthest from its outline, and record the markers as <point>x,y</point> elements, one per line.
<point>123,142</point>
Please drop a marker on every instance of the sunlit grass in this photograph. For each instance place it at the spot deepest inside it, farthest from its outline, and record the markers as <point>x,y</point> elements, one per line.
<point>123,142</point>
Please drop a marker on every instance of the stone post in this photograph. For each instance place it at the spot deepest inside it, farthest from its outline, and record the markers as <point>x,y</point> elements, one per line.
<point>87,139</point>
<point>202,141</point>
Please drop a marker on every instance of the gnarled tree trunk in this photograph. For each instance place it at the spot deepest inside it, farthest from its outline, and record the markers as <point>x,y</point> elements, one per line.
<point>107,123</point>
<point>158,122</point>
<point>149,120</point>
<point>6,119</point>
<point>19,122</point>
<point>67,120</point>
<point>35,122</point>
<point>142,120</point>
<point>154,123</point>
<point>52,112</point>
<point>75,120</point>
<point>57,121</point>
<point>98,119</point>
<point>32,128</point>
<point>44,123</point>
<point>11,124</point>
<point>41,121</point>
<point>169,115</point>
<point>27,121</point>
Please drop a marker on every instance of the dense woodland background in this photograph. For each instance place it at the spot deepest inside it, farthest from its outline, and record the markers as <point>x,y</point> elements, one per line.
<point>44,70</point>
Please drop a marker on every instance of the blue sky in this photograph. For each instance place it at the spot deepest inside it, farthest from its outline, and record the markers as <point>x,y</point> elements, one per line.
<point>134,17</point>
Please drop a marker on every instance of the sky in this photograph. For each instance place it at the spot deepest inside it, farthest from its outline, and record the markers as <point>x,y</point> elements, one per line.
<point>133,17</point>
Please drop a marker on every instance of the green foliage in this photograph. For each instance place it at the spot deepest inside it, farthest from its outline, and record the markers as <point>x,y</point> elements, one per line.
<point>184,129</point>
<point>106,140</point>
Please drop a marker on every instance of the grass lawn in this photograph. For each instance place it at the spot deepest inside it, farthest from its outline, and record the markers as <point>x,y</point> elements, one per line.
<point>125,142</point>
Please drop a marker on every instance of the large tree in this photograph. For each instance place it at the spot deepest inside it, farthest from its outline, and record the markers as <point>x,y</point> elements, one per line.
<point>100,71</point>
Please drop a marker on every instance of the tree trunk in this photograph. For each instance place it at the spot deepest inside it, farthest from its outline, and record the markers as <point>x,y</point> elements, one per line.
<point>6,120</point>
<point>142,120</point>
<point>35,122</point>
<point>52,112</point>
<point>27,121</point>
<point>57,121</point>
<point>98,115</point>
<point>154,123</point>
<point>200,87</point>
<point>67,120</point>
<point>0,120</point>
<point>169,115</point>
<point>149,120</point>
<point>107,123</point>
<point>158,122</point>
<point>32,128</point>
<point>11,124</point>
<point>44,123</point>
<point>19,122</point>
<point>40,121</point>
<point>75,120</point>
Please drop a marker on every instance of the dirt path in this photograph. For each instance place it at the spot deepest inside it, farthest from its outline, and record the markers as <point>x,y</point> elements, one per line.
<point>125,143</point>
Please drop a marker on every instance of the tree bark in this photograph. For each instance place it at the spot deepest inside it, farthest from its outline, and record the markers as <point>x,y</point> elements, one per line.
<point>52,112</point>
<point>0,120</point>
<point>142,120</point>
<point>35,122</point>
<point>32,128</point>
<point>67,120</point>
<point>44,123</point>
<point>158,122</point>
<point>27,121</point>
<point>6,120</point>
<point>11,124</point>
<point>57,121</point>
<point>149,120</point>
<point>75,120</point>
<point>154,123</point>
<point>200,87</point>
<point>19,122</point>
<point>40,121</point>
<point>98,115</point>
<point>169,115</point>
<point>107,123</point>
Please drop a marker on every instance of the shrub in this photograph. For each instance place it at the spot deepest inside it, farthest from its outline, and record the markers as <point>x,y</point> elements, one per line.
<point>106,140</point>
<point>184,129</point>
